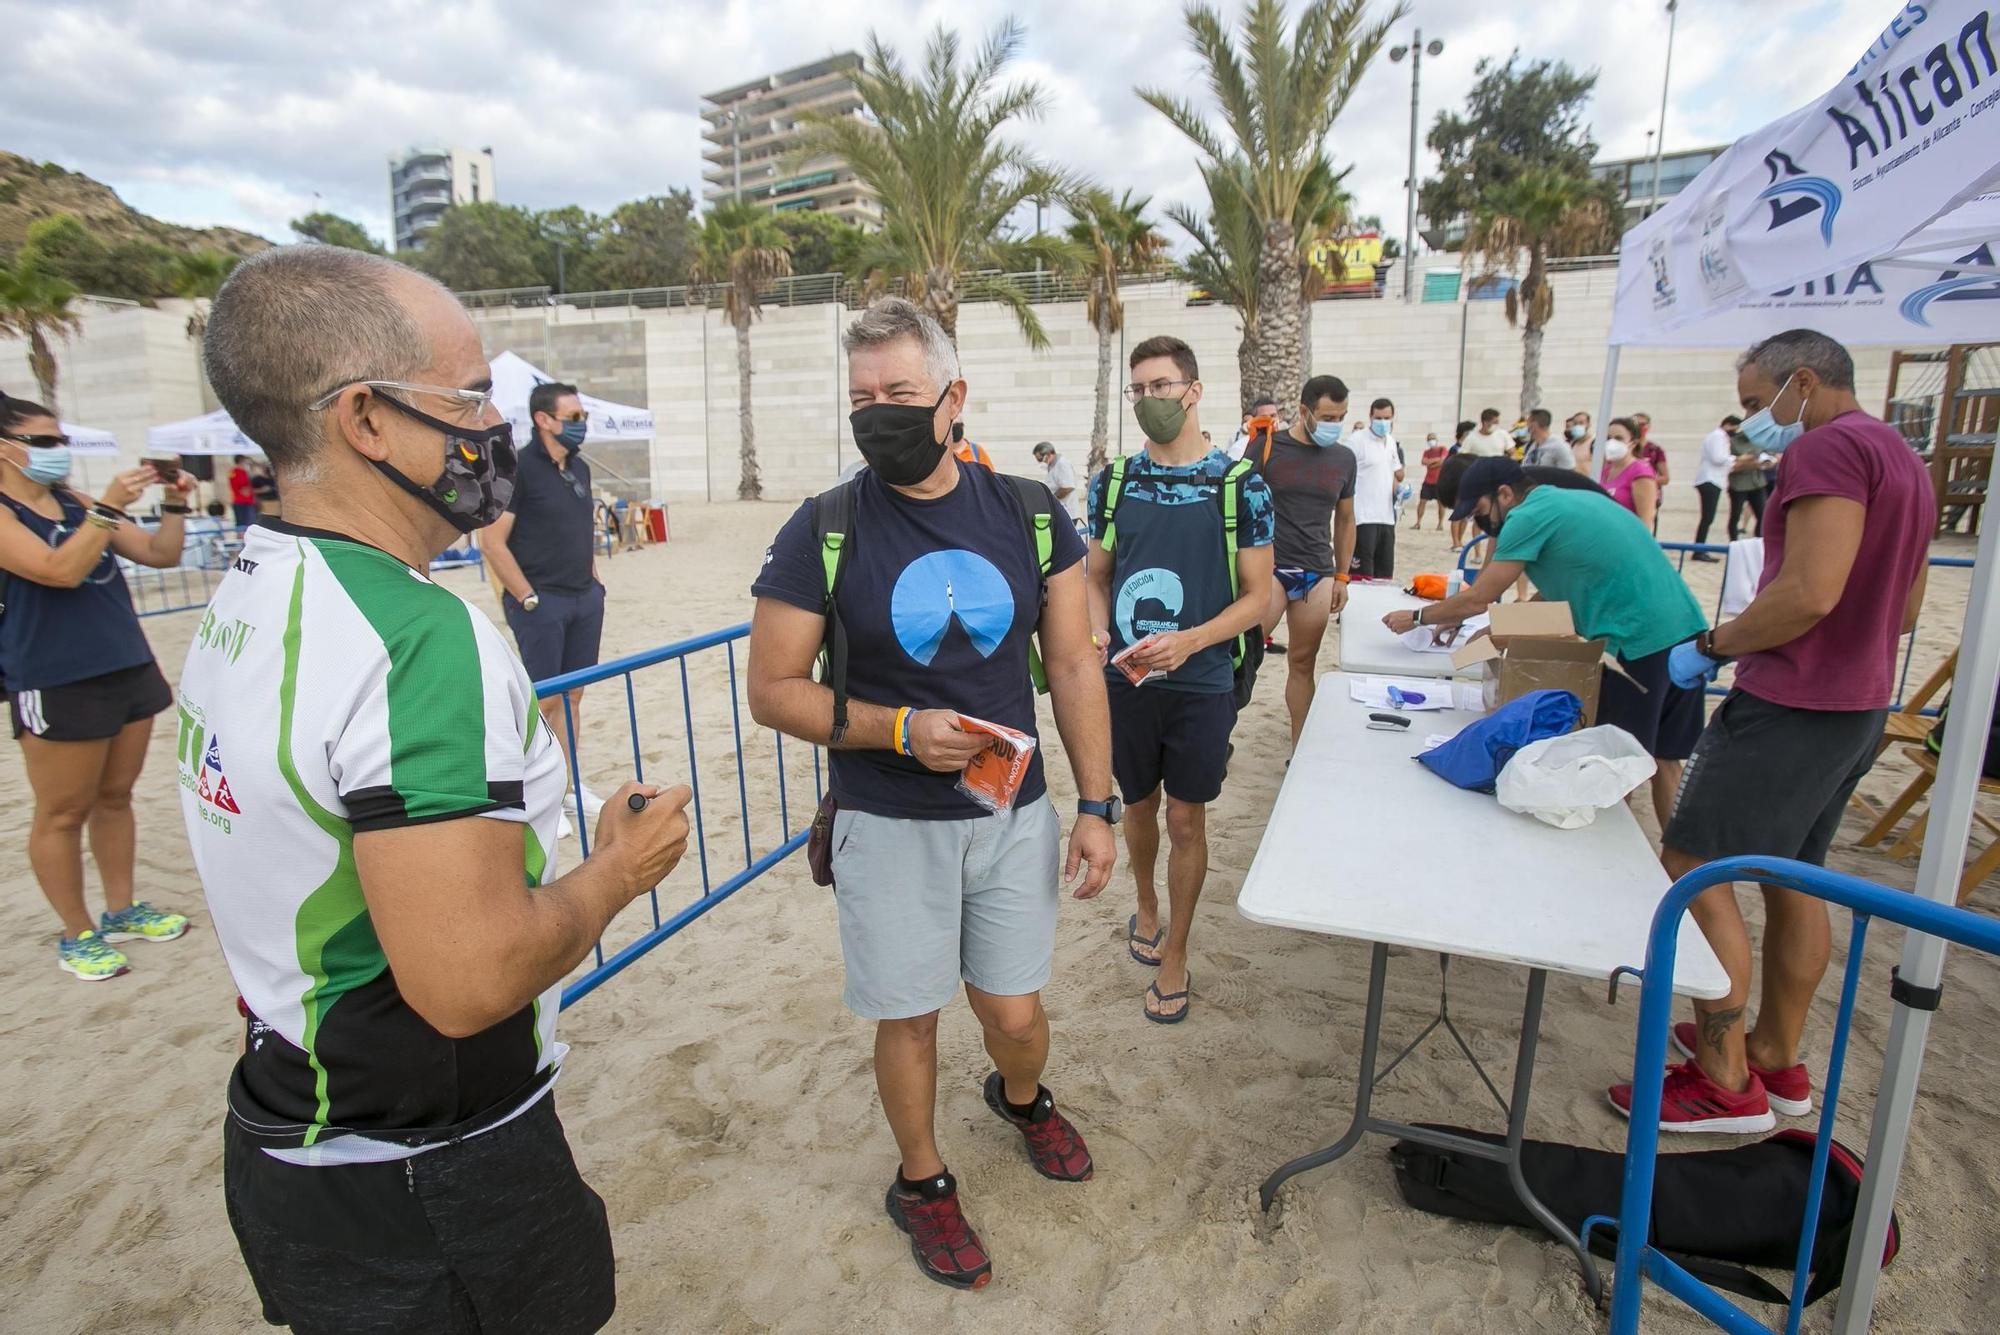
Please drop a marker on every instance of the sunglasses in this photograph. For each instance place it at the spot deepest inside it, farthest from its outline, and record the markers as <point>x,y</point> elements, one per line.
<point>577,489</point>
<point>38,442</point>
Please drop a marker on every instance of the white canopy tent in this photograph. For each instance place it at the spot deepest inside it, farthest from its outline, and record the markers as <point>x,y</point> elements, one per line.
<point>211,433</point>
<point>1866,216</point>
<point>514,378</point>
<point>87,442</point>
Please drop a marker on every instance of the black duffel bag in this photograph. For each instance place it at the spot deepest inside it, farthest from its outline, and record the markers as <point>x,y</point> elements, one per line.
<point>1714,1211</point>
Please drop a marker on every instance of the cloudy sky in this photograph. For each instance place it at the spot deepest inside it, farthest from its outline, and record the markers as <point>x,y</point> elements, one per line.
<point>251,112</point>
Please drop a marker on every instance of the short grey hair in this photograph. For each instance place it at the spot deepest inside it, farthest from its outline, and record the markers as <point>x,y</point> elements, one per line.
<point>890,318</point>
<point>293,323</point>
<point>1780,355</point>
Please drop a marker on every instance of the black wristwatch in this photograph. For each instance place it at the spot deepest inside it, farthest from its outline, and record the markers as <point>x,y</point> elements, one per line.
<point>1110,811</point>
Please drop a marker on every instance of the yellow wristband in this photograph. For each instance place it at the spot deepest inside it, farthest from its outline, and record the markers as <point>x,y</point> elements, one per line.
<point>896,731</point>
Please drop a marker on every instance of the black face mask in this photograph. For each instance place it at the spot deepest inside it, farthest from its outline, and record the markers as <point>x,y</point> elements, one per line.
<point>1487,523</point>
<point>478,478</point>
<point>898,440</point>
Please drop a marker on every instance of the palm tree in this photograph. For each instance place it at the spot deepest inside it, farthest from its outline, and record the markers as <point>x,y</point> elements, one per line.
<point>741,249</point>
<point>1279,96</point>
<point>36,306</point>
<point>1541,212</point>
<point>198,277</point>
<point>1229,245</point>
<point>1115,237</point>
<point>928,148</point>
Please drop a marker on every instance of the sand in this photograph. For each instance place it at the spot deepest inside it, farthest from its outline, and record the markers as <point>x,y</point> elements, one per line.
<point>720,1098</point>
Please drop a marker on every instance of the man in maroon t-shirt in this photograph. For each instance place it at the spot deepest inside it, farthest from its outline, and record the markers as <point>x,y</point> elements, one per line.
<point>1846,536</point>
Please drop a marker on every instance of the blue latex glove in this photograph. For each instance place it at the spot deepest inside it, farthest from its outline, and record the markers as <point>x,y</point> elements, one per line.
<point>1689,667</point>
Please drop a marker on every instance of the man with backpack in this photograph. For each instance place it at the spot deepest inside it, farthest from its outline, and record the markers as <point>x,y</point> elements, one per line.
<point>925,578</point>
<point>1179,575</point>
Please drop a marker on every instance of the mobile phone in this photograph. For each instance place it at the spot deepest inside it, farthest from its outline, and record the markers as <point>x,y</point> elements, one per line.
<point>167,466</point>
<point>1389,722</point>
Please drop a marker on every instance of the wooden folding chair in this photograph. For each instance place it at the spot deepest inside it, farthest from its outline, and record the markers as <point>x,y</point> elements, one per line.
<point>1984,864</point>
<point>1910,723</point>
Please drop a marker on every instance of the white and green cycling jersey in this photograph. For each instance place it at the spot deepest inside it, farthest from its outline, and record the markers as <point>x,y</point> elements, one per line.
<point>332,691</point>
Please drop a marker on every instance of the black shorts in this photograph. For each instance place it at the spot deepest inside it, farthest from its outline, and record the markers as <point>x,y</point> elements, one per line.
<point>561,635</point>
<point>1767,780</point>
<point>1427,492</point>
<point>1374,551</point>
<point>495,1234</point>
<point>1666,719</point>
<point>92,709</point>
<point>1175,739</point>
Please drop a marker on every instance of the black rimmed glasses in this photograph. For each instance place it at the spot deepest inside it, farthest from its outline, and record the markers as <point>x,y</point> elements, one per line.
<point>1158,389</point>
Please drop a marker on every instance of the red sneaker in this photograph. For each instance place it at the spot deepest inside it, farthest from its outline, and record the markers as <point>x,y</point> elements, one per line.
<point>1054,1147</point>
<point>1789,1090</point>
<point>945,1246</point>
<point>1692,1102</point>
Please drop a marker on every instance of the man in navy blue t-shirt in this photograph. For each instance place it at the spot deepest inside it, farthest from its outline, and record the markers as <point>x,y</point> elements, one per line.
<point>939,594</point>
<point>1160,569</point>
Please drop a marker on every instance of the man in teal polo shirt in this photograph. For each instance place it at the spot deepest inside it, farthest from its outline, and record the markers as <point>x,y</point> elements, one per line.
<point>1583,548</point>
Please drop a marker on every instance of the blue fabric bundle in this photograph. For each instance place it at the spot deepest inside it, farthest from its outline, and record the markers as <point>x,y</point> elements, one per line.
<point>1475,757</point>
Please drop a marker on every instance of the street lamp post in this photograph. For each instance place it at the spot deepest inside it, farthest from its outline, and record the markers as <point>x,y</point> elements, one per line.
<point>1416,51</point>
<point>1660,144</point>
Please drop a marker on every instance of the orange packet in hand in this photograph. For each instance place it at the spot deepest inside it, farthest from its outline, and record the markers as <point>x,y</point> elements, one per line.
<point>1135,673</point>
<point>993,778</point>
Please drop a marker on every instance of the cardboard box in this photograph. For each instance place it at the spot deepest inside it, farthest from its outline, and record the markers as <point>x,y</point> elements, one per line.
<point>1535,647</point>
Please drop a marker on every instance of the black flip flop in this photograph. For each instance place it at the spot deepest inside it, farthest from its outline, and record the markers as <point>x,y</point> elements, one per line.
<point>1164,997</point>
<point>1134,940</point>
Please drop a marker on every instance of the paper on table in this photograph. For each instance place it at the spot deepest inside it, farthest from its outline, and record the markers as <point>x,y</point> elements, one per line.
<point>1421,640</point>
<point>1418,694</point>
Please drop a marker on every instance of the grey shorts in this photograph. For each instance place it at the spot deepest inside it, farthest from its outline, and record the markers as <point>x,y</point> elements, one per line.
<point>926,903</point>
<point>1767,780</point>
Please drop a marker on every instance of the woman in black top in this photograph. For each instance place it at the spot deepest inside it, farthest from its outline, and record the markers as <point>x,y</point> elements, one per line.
<point>82,687</point>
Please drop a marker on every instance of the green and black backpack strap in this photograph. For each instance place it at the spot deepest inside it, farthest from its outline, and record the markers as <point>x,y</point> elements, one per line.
<point>833,525</point>
<point>1235,527</point>
<point>1038,509</point>
<point>1114,489</point>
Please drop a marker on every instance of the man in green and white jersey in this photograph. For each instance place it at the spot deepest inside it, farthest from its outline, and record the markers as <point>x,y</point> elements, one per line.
<point>372,802</point>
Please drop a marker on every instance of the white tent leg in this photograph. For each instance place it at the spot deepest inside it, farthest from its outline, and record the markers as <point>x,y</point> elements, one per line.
<point>1603,418</point>
<point>1923,956</point>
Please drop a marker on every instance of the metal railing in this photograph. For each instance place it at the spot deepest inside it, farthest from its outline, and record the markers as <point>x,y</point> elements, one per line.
<point>1867,901</point>
<point>1685,549</point>
<point>701,717</point>
<point>206,555</point>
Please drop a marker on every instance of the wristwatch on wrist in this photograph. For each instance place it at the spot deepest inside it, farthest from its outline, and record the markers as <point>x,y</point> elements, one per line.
<point>1110,811</point>
<point>173,509</point>
<point>531,602</point>
<point>1704,644</point>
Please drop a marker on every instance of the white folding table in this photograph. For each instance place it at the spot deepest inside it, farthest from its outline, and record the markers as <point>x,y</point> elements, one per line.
<point>1573,901</point>
<point>1368,646</point>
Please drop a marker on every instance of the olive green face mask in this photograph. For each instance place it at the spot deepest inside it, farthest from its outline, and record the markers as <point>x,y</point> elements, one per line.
<point>1160,419</point>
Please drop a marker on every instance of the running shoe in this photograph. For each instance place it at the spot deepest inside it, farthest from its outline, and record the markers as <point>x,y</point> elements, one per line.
<point>945,1246</point>
<point>1789,1090</point>
<point>91,958</point>
<point>141,922</point>
<point>1054,1147</point>
<point>1691,1101</point>
<point>592,803</point>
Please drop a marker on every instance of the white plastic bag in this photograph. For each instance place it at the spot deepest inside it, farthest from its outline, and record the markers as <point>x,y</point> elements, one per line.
<point>1564,781</point>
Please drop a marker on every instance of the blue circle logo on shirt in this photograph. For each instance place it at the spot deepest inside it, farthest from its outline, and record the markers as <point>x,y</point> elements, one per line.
<point>1158,586</point>
<point>955,585</point>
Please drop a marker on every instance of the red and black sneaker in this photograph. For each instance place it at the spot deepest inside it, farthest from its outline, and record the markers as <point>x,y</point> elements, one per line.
<point>1789,1090</point>
<point>1054,1147</point>
<point>945,1246</point>
<point>1690,1101</point>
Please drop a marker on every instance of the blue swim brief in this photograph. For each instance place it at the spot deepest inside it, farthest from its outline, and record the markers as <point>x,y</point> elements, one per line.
<point>1298,583</point>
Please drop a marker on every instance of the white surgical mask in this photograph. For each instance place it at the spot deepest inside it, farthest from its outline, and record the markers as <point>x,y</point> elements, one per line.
<point>1615,450</point>
<point>1576,431</point>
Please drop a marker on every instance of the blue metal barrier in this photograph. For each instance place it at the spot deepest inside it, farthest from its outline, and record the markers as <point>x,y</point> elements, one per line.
<point>755,864</point>
<point>1686,548</point>
<point>1867,900</point>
